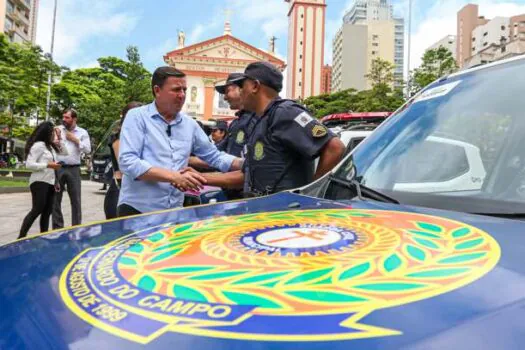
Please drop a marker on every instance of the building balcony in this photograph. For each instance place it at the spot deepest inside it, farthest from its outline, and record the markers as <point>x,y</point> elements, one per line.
<point>26,4</point>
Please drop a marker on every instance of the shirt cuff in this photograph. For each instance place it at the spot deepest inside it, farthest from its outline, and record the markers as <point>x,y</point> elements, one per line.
<point>226,162</point>
<point>139,168</point>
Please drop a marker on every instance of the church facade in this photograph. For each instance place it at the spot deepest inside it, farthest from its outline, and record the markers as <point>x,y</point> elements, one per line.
<point>208,63</point>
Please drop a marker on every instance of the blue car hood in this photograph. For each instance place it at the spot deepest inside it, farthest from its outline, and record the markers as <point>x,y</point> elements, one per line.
<point>280,272</point>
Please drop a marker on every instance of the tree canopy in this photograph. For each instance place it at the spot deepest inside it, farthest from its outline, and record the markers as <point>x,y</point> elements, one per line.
<point>435,64</point>
<point>382,97</point>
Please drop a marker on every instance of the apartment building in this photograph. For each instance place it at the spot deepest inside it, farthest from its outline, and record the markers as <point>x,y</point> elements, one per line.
<point>367,11</point>
<point>482,40</point>
<point>18,19</point>
<point>355,46</point>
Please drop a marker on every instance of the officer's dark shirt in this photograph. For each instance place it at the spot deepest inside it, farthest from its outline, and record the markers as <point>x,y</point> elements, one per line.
<point>285,142</point>
<point>238,133</point>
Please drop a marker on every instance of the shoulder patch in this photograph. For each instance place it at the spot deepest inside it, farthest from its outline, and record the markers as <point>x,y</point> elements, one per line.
<point>303,119</point>
<point>319,131</point>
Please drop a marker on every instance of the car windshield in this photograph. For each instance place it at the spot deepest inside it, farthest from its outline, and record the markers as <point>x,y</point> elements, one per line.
<point>459,145</point>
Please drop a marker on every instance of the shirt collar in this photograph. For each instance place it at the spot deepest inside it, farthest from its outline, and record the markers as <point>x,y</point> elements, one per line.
<point>271,104</point>
<point>154,113</point>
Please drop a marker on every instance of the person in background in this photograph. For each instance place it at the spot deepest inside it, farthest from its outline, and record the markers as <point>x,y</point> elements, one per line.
<point>77,141</point>
<point>218,133</point>
<point>156,142</point>
<point>41,150</point>
<point>111,199</point>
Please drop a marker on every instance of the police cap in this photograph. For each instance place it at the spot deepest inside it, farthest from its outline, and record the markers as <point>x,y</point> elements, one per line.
<point>221,89</point>
<point>220,125</point>
<point>265,72</point>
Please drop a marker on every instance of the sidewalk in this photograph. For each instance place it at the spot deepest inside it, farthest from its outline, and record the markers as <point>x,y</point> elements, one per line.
<point>14,207</point>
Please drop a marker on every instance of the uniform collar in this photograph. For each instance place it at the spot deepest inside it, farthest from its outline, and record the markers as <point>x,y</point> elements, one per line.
<point>271,104</point>
<point>154,113</point>
<point>242,112</point>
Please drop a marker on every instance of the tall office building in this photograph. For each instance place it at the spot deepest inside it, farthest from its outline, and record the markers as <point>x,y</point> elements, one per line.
<point>355,47</point>
<point>18,19</point>
<point>364,12</point>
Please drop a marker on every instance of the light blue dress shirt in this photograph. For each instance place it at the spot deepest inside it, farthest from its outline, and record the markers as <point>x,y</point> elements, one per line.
<point>144,143</point>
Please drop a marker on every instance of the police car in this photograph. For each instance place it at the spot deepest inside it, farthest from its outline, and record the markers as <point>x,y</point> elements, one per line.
<point>353,261</point>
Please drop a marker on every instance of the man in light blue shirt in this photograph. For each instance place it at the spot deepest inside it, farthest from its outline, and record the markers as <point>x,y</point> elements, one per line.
<point>155,146</point>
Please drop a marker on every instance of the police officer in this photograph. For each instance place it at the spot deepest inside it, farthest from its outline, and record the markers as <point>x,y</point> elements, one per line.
<point>284,142</point>
<point>241,127</point>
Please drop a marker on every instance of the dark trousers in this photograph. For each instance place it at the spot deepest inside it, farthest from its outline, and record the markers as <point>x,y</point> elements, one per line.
<point>111,200</point>
<point>124,210</point>
<point>43,195</point>
<point>68,177</point>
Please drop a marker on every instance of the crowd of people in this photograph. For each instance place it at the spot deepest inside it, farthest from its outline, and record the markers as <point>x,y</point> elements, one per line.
<point>158,152</point>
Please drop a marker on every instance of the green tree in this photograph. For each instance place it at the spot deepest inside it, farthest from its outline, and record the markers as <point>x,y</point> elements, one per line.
<point>98,97</point>
<point>23,83</point>
<point>381,72</point>
<point>99,94</point>
<point>435,64</point>
<point>137,78</point>
<point>380,98</point>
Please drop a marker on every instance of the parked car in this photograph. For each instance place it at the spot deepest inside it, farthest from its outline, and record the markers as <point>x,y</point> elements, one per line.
<point>352,261</point>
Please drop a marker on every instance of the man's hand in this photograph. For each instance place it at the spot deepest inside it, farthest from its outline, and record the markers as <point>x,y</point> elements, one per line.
<point>188,179</point>
<point>71,137</point>
<point>189,168</point>
<point>58,134</point>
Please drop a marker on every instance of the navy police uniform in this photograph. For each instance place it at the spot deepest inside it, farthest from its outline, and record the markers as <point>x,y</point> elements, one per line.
<point>238,133</point>
<point>281,150</point>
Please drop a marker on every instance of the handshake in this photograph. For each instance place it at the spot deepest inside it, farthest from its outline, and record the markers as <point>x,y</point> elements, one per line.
<point>188,179</point>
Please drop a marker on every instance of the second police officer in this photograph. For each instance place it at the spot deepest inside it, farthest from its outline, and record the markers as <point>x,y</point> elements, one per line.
<point>284,142</point>
<point>241,127</point>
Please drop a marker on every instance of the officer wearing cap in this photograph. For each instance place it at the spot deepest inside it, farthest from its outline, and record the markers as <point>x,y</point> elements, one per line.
<point>239,128</point>
<point>284,142</point>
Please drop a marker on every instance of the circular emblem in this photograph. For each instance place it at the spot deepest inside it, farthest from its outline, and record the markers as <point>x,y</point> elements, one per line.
<point>283,276</point>
<point>240,137</point>
<point>258,152</point>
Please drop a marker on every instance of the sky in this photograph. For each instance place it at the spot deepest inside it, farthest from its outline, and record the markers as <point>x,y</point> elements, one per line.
<point>89,29</point>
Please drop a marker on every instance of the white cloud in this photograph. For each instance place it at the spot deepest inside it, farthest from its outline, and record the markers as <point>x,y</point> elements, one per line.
<point>156,53</point>
<point>196,33</point>
<point>78,22</point>
<point>269,15</point>
<point>275,26</point>
<point>440,20</point>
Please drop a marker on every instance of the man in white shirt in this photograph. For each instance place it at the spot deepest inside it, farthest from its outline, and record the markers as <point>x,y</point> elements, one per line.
<point>77,141</point>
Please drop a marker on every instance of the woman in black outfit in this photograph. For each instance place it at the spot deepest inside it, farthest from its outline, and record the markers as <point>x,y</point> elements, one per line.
<point>41,150</point>
<point>111,199</point>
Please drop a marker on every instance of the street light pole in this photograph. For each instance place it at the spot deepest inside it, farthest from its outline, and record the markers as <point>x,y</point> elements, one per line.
<point>408,48</point>
<point>49,77</point>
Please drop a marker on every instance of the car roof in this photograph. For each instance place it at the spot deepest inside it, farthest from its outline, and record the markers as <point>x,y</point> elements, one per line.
<point>486,66</point>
